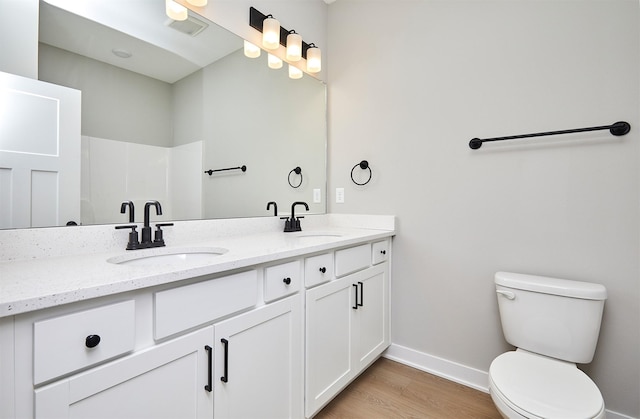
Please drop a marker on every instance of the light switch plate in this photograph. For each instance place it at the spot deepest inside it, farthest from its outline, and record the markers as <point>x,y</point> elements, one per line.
<point>317,197</point>
<point>339,195</point>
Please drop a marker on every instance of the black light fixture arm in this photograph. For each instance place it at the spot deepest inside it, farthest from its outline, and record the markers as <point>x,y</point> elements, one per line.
<point>212,171</point>
<point>619,128</point>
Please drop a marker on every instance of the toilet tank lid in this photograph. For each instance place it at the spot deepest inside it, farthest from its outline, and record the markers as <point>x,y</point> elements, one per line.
<point>555,286</point>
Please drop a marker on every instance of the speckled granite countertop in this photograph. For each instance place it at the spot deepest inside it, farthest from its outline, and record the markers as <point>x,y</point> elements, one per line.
<point>54,277</point>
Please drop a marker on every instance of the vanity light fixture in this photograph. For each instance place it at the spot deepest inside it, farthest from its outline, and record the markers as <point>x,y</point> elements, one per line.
<point>175,11</point>
<point>294,46</point>
<point>294,72</point>
<point>288,39</point>
<point>270,32</point>
<point>314,59</point>
<point>250,50</point>
<point>274,62</point>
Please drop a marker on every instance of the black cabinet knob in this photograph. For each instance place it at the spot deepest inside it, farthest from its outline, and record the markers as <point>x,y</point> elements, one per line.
<point>92,341</point>
<point>384,252</point>
<point>323,269</point>
<point>287,281</point>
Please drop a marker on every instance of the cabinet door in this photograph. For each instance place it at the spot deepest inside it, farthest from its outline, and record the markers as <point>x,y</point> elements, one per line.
<point>370,325</point>
<point>259,364</point>
<point>328,341</point>
<point>164,381</point>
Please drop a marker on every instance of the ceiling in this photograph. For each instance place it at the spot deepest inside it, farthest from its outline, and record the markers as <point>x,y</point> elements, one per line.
<point>95,28</point>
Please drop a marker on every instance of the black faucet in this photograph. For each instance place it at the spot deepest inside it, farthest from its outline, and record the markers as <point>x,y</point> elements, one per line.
<point>293,223</point>
<point>275,208</point>
<point>123,209</point>
<point>146,230</point>
<point>146,243</point>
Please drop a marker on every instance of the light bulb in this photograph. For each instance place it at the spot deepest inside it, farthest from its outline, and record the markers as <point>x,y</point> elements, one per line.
<point>294,72</point>
<point>270,33</point>
<point>294,47</point>
<point>175,11</point>
<point>314,59</point>
<point>250,50</point>
<point>274,62</point>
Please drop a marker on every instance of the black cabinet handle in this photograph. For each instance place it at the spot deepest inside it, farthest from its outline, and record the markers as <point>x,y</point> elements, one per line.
<point>209,386</point>
<point>355,307</point>
<point>225,377</point>
<point>92,341</point>
<point>384,252</point>
<point>361,294</point>
<point>323,269</point>
<point>287,281</point>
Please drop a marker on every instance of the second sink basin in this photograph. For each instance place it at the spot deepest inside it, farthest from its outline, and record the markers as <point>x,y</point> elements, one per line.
<point>168,256</point>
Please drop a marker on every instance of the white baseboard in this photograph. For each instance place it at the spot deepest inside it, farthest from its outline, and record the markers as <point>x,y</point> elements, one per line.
<point>462,374</point>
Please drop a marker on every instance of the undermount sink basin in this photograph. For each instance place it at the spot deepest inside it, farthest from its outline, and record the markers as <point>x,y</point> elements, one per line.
<point>327,234</point>
<point>168,256</point>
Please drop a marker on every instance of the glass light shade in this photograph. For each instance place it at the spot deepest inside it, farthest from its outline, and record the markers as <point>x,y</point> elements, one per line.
<point>199,3</point>
<point>250,50</point>
<point>314,60</point>
<point>175,11</point>
<point>274,62</point>
<point>294,47</point>
<point>294,72</point>
<point>270,33</point>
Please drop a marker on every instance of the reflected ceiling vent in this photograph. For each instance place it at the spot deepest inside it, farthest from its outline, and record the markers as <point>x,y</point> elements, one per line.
<point>191,26</point>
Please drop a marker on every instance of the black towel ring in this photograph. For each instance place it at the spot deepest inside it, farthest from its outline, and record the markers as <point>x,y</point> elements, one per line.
<point>364,165</point>
<point>297,171</point>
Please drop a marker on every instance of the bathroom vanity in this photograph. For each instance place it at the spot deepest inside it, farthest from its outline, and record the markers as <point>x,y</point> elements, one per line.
<point>261,324</point>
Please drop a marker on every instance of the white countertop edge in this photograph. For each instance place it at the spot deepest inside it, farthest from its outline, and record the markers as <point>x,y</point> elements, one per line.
<point>73,278</point>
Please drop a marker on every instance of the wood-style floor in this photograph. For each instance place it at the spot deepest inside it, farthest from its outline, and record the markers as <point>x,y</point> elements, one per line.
<point>392,390</point>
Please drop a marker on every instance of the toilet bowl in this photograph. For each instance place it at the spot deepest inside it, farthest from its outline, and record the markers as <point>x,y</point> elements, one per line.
<point>554,324</point>
<point>527,385</point>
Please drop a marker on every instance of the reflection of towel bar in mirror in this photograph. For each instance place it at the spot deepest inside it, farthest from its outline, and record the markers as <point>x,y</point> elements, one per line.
<point>212,171</point>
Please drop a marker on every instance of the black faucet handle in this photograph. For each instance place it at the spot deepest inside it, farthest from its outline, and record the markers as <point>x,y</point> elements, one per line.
<point>158,239</point>
<point>133,242</point>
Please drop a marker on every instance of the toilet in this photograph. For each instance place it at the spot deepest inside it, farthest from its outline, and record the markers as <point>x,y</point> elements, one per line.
<point>554,324</point>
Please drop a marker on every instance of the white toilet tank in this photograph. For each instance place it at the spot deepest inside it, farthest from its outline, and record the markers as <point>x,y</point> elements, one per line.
<point>559,318</point>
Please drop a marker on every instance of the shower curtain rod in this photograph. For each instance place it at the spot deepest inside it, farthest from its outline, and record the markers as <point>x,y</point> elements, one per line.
<point>619,128</point>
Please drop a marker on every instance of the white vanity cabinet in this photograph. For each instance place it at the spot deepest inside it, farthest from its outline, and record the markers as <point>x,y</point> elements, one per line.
<point>347,325</point>
<point>259,364</point>
<point>164,381</point>
<point>274,340</point>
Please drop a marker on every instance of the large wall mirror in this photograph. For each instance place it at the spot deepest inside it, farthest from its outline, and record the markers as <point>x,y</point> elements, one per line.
<point>163,102</point>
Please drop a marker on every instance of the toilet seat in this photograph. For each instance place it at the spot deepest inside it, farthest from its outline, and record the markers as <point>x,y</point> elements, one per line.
<point>535,386</point>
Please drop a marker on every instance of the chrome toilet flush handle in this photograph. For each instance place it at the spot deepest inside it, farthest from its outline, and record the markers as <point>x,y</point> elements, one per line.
<point>507,294</point>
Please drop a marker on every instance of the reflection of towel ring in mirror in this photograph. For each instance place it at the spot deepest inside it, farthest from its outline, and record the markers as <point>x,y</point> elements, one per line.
<point>297,171</point>
<point>364,165</point>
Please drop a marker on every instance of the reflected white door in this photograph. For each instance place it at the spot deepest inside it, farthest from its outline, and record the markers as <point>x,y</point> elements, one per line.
<point>39,153</point>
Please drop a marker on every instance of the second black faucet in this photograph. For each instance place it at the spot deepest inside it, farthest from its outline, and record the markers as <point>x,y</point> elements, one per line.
<point>293,223</point>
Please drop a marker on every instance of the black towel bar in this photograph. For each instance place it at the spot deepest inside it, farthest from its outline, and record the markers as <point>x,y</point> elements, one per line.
<point>212,171</point>
<point>619,128</point>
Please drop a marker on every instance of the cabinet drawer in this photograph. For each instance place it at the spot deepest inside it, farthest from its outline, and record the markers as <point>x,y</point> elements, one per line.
<point>188,306</point>
<point>353,259</point>
<point>61,344</point>
<point>318,269</point>
<point>281,280</point>
<point>380,252</point>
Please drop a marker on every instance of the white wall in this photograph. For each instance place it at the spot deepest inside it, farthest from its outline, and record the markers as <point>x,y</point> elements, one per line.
<point>19,32</point>
<point>408,99</point>
<point>116,104</point>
